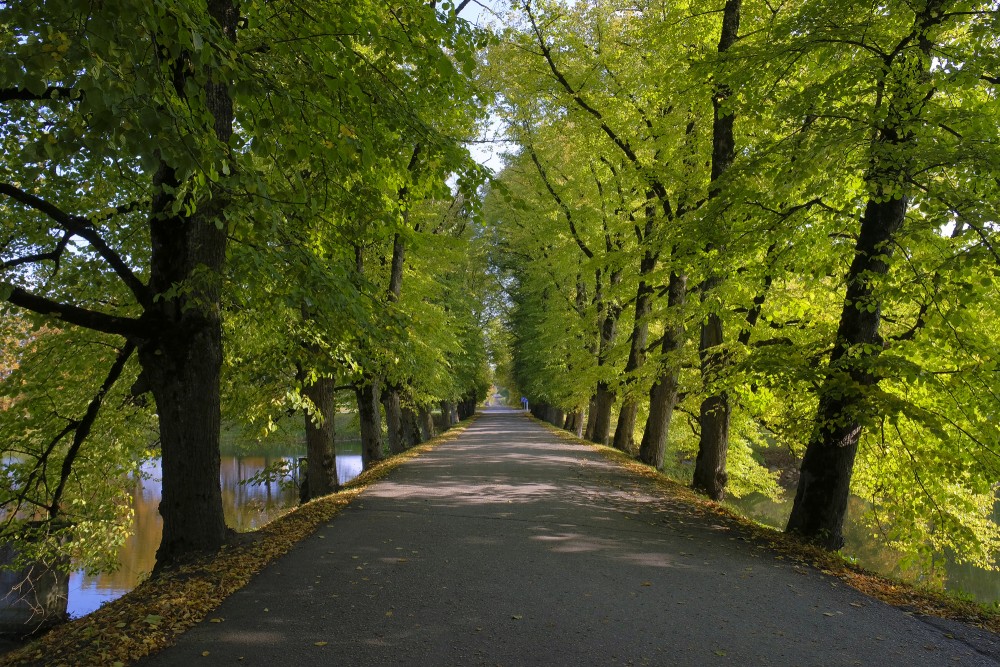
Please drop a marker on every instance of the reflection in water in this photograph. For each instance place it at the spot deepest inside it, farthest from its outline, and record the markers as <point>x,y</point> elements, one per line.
<point>247,507</point>
<point>870,553</point>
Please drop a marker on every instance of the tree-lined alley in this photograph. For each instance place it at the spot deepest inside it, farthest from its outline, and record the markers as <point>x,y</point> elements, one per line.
<point>763,227</point>
<point>724,229</point>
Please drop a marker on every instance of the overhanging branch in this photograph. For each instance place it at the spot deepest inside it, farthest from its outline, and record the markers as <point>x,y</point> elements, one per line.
<point>85,229</point>
<point>24,95</point>
<point>89,319</point>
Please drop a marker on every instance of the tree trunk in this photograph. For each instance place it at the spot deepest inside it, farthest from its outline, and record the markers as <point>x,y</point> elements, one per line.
<point>574,422</point>
<point>370,416</point>
<point>467,407</point>
<point>393,420</point>
<point>663,393</point>
<point>182,363</point>
<point>183,375</point>
<point>844,408</point>
<point>425,419</point>
<point>449,415</point>
<point>625,430</point>
<point>321,468</point>
<point>588,431</point>
<point>824,485</point>
<point>411,430</point>
<point>710,475</point>
<point>604,402</point>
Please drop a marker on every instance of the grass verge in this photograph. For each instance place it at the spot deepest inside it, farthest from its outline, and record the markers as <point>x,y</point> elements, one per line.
<point>151,616</point>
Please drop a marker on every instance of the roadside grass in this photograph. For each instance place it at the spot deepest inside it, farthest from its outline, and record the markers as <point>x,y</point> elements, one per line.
<point>906,596</point>
<point>151,616</point>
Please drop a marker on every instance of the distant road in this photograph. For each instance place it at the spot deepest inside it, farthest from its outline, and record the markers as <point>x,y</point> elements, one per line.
<point>508,546</point>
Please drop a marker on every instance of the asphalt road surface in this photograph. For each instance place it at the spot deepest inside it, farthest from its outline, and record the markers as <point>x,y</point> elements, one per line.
<point>509,546</point>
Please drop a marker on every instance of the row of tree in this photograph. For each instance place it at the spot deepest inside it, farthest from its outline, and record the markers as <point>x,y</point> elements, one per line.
<point>777,221</point>
<point>228,211</point>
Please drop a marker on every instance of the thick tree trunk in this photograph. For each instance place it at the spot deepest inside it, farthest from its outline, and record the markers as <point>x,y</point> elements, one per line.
<point>588,430</point>
<point>604,399</point>
<point>467,407</point>
<point>604,402</point>
<point>391,400</point>
<point>844,409</point>
<point>574,423</point>
<point>321,468</point>
<point>710,475</point>
<point>370,416</point>
<point>625,430</point>
<point>425,419</point>
<point>411,429</point>
<point>183,374</point>
<point>182,363</point>
<point>449,415</point>
<point>663,393</point>
<point>824,485</point>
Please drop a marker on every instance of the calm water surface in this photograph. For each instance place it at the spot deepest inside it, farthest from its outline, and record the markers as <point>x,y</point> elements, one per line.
<point>247,507</point>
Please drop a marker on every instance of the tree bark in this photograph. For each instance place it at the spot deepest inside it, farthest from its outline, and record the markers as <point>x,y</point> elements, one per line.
<point>425,419</point>
<point>663,393</point>
<point>391,400</point>
<point>625,429</point>
<point>588,431</point>
<point>604,398</point>
<point>710,475</point>
<point>844,406</point>
<point>824,485</point>
<point>183,362</point>
<point>604,401</point>
<point>321,468</point>
<point>370,416</point>
<point>411,430</point>
<point>449,415</point>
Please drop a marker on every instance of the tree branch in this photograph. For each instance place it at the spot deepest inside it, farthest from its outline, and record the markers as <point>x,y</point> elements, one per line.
<point>89,319</point>
<point>24,95</point>
<point>562,205</point>
<point>623,144</point>
<point>85,229</point>
<point>53,255</point>
<point>87,422</point>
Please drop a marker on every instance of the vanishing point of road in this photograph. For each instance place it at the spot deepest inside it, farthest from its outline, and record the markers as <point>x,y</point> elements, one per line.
<point>510,546</point>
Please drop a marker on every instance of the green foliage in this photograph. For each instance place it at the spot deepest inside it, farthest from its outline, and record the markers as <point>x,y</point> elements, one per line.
<point>95,506</point>
<point>108,115</point>
<point>815,87</point>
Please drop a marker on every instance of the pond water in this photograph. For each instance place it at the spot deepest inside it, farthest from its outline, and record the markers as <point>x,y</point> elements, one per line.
<point>247,507</point>
<point>981,584</point>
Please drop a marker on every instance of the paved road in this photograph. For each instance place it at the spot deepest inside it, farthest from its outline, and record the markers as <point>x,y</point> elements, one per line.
<point>511,547</point>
